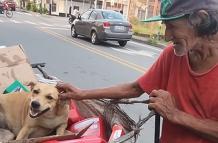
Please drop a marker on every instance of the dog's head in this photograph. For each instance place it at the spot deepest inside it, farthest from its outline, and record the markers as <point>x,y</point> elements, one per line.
<point>44,99</point>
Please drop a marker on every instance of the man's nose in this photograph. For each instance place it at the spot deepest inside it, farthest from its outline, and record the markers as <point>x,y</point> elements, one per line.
<point>168,35</point>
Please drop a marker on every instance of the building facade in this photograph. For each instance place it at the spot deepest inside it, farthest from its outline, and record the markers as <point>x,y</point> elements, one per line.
<point>61,7</point>
<point>143,9</point>
<point>140,9</point>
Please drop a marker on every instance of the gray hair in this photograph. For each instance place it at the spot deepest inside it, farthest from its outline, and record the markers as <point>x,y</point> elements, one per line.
<point>205,22</point>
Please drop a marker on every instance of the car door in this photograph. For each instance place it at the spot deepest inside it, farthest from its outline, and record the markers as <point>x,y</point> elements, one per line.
<point>80,25</point>
<point>90,23</point>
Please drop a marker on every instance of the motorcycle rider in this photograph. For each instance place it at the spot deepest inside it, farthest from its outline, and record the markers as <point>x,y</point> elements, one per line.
<point>1,7</point>
<point>74,15</point>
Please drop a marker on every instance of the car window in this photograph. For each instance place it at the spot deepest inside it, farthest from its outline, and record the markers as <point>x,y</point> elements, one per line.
<point>99,16</point>
<point>85,15</point>
<point>112,15</point>
<point>93,16</point>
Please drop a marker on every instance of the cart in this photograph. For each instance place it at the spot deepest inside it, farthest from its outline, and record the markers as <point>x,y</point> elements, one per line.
<point>94,121</point>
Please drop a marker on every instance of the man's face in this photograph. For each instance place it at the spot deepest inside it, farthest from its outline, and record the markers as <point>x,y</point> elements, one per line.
<point>182,35</point>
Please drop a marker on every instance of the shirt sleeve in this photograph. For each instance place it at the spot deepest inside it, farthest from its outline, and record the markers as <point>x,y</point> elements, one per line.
<point>157,76</point>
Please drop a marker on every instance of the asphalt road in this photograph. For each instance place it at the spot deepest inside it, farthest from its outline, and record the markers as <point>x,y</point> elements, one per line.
<point>47,39</point>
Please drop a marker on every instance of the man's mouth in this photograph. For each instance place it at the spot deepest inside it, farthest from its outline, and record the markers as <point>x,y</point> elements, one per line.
<point>34,113</point>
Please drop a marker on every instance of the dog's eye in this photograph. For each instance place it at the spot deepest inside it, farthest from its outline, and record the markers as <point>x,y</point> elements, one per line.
<point>36,91</point>
<point>49,97</point>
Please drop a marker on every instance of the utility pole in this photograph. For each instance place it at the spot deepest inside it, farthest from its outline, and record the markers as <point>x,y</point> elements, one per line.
<point>66,10</point>
<point>40,6</point>
<point>103,4</point>
<point>128,9</point>
<point>83,6</point>
<point>50,7</point>
<point>96,1</point>
<point>146,9</point>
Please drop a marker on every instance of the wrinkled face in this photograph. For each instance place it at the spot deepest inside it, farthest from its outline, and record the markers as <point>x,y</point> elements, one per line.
<point>44,99</point>
<point>183,36</point>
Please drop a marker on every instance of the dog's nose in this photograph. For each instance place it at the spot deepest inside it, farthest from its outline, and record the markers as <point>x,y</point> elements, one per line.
<point>35,104</point>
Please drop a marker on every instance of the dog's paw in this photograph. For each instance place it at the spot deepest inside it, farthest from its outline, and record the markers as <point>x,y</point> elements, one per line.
<point>67,132</point>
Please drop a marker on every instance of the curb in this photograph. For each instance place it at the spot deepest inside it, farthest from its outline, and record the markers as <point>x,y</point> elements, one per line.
<point>144,40</point>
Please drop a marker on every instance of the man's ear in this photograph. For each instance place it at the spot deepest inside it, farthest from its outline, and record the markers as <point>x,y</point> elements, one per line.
<point>203,22</point>
<point>31,85</point>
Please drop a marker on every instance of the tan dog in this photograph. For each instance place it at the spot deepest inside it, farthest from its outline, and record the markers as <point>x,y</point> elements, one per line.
<point>34,114</point>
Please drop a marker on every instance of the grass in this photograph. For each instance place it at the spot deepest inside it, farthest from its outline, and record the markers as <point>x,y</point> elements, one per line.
<point>153,31</point>
<point>153,28</point>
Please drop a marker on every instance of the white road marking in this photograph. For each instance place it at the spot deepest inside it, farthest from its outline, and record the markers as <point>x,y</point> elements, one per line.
<point>28,14</point>
<point>133,52</point>
<point>29,22</point>
<point>54,28</point>
<point>19,12</point>
<point>42,23</point>
<point>22,13</point>
<point>3,46</point>
<point>65,26</point>
<point>14,21</point>
<point>147,46</point>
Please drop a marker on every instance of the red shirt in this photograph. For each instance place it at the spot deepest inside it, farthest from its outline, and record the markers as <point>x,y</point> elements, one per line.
<point>195,94</point>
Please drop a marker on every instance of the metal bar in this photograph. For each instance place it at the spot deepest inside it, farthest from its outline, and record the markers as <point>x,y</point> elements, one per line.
<point>157,129</point>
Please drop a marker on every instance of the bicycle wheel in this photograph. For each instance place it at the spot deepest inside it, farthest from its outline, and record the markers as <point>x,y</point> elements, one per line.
<point>9,13</point>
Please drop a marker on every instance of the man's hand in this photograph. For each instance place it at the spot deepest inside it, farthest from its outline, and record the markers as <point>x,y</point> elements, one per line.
<point>164,104</point>
<point>67,91</point>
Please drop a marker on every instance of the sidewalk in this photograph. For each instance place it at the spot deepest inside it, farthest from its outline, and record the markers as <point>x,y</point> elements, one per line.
<point>145,40</point>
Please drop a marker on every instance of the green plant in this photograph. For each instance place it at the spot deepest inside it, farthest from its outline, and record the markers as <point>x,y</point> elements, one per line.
<point>152,41</point>
<point>28,7</point>
<point>34,8</point>
<point>139,27</point>
<point>134,21</point>
<point>44,10</point>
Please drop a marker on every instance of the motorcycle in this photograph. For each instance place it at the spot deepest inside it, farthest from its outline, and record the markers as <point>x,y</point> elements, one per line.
<point>72,18</point>
<point>4,9</point>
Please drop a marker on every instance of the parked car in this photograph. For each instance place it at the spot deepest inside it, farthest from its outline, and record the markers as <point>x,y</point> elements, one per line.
<point>102,25</point>
<point>11,4</point>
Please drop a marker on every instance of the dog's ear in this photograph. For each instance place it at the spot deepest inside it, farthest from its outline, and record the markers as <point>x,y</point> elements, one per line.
<point>31,85</point>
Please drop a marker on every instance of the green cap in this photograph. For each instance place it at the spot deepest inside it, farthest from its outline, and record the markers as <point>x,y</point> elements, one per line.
<point>174,9</point>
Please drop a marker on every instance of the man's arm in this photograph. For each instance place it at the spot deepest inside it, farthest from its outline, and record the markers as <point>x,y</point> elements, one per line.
<point>164,103</point>
<point>128,90</point>
<point>206,128</point>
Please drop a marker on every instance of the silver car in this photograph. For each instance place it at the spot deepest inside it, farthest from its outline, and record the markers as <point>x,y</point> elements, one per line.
<point>102,25</point>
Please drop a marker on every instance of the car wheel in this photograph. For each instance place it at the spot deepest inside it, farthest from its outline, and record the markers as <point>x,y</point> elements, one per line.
<point>94,37</point>
<point>122,43</point>
<point>73,32</point>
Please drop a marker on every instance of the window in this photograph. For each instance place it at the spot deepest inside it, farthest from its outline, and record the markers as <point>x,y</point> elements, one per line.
<point>141,14</point>
<point>112,15</point>
<point>53,7</point>
<point>93,15</point>
<point>76,7</point>
<point>85,15</point>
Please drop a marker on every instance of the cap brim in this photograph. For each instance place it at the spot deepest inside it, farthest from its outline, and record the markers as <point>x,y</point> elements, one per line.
<point>159,18</point>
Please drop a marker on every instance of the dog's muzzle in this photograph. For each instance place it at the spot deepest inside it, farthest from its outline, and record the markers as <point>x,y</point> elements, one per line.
<point>35,110</point>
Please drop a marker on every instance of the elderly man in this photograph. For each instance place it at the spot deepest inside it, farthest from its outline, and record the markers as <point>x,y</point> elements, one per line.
<point>182,83</point>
